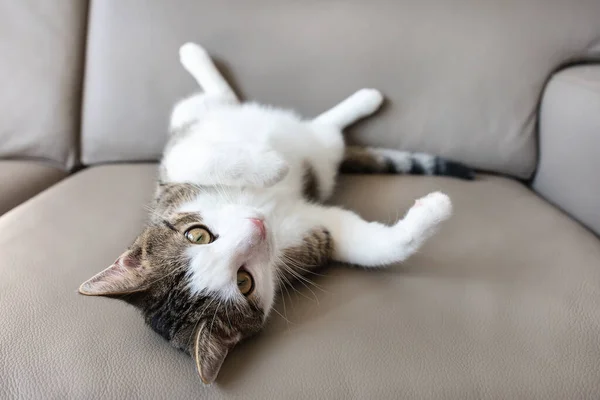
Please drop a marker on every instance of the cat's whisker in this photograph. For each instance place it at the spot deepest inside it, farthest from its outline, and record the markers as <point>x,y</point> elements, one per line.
<point>297,265</point>
<point>176,270</point>
<point>290,265</point>
<point>214,317</point>
<point>305,282</point>
<point>282,278</point>
<point>221,191</point>
<point>206,306</point>
<point>284,286</point>
<point>282,301</point>
<point>291,285</point>
<point>302,280</point>
<point>284,318</point>
<point>152,211</point>
<point>301,277</point>
<point>227,314</point>
<point>296,262</point>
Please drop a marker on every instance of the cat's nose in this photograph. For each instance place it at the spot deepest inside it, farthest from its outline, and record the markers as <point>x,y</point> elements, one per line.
<point>258,223</point>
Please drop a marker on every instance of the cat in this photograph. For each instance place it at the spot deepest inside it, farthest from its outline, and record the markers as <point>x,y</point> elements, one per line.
<point>238,212</point>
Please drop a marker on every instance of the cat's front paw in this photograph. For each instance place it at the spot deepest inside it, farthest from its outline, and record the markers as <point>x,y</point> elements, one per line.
<point>436,206</point>
<point>428,212</point>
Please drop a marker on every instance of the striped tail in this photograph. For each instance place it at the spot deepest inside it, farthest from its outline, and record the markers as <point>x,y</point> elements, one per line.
<point>374,160</point>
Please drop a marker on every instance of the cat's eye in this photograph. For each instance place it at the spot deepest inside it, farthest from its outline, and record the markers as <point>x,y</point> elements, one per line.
<point>199,235</point>
<point>245,282</point>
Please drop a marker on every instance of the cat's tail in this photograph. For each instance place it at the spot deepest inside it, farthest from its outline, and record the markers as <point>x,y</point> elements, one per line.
<point>374,160</point>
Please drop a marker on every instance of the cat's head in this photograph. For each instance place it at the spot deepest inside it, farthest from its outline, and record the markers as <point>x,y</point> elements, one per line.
<point>202,279</point>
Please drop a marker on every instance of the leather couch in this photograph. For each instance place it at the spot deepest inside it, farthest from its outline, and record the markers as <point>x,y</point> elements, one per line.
<point>504,303</point>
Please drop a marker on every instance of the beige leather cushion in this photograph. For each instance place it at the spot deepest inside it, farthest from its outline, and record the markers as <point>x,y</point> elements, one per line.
<point>41,66</point>
<point>20,180</point>
<point>570,144</point>
<point>503,303</point>
<point>463,77</point>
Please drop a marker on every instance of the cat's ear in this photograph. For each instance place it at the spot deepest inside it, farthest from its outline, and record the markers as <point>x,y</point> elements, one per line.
<point>125,275</point>
<point>209,352</point>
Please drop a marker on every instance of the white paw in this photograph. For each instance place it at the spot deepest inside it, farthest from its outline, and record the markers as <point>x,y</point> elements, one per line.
<point>369,100</point>
<point>428,212</point>
<point>437,206</point>
<point>192,54</point>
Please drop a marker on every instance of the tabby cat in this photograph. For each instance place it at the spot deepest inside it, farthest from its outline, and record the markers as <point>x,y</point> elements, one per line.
<point>239,211</point>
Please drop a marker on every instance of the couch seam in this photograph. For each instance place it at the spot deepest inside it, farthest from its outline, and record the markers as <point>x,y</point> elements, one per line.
<point>75,163</point>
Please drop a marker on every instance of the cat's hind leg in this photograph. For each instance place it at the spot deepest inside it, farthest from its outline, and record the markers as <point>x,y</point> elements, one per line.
<point>372,244</point>
<point>216,90</point>
<point>187,111</point>
<point>359,105</point>
<point>198,63</point>
<point>328,151</point>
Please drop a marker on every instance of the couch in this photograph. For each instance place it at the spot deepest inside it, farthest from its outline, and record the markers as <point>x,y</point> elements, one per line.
<point>504,303</point>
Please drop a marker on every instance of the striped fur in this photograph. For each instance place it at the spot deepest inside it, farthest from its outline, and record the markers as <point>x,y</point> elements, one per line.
<point>313,252</point>
<point>373,160</point>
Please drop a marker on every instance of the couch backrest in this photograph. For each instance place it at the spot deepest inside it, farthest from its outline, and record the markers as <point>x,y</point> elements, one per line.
<point>463,77</point>
<point>41,68</point>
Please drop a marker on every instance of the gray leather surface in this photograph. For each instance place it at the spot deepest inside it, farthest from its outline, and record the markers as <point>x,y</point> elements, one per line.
<point>503,303</point>
<point>41,69</point>
<point>463,78</point>
<point>20,180</point>
<point>569,170</point>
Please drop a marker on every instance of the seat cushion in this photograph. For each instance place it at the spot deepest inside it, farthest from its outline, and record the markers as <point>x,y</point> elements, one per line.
<point>462,79</point>
<point>20,180</point>
<point>502,303</point>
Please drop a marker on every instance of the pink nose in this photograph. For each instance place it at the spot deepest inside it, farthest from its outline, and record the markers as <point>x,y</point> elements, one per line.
<point>260,225</point>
